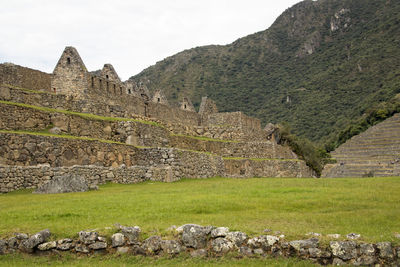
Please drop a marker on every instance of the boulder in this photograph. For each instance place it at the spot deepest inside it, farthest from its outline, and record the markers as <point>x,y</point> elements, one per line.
<point>246,251</point>
<point>88,238</point>
<point>367,249</point>
<point>263,241</point>
<point>131,234</point>
<point>385,250</point>
<point>365,261</point>
<point>98,245</point>
<point>171,247</point>
<point>237,238</point>
<point>195,236</point>
<point>81,248</point>
<point>219,232</point>
<point>63,184</point>
<point>221,245</point>
<point>3,246</point>
<point>65,244</point>
<point>47,246</point>
<point>199,253</point>
<point>32,242</point>
<point>117,240</point>
<point>353,236</point>
<point>152,245</point>
<point>344,250</point>
<point>299,245</point>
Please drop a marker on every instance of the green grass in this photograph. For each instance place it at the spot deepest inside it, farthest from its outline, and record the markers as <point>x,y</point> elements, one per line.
<point>82,115</point>
<point>125,260</point>
<point>202,138</point>
<point>368,206</point>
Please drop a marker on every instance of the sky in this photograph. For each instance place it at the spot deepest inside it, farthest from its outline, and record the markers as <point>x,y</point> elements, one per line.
<point>130,34</point>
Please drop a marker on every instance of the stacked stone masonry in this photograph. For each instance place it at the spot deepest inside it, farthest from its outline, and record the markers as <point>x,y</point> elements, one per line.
<point>74,117</point>
<point>205,241</point>
<point>375,152</point>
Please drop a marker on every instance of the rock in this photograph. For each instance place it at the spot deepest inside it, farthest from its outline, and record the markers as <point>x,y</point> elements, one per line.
<point>93,187</point>
<point>258,251</point>
<point>63,184</point>
<point>98,245</point>
<point>122,250</point>
<point>385,250</point>
<point>246,251</point>
<point>237,238</point>
<point>263,241</point>
<point>21,236</point>
<point>344,250</point>
<point>12,243</point>
<point>65,244</point>
<point>117,240</point>
<point>313,234</point>
<point>131,233</point>
<point>47,246</point>
<point>3,246</point>
<point>81,248</point>
<point>171,247</point>
<point>304,244</point>
<point>152,245</point>
<point>353,236</point>
<point>267,230</point>
<point>335,236</point>
<point>221,245</point>
<point>315,252</point>
<point>55,130</point>
<point>199,253</point>
<point>367,249</point>
<point>137,250</point>
<point>88,237</point>
<point>5,93</point>
<point>365,261</point>
<point>29,244</point>
<point>397,235</point>
<point>195,236</point>
<point>219,232</point>
<point>338,262</point>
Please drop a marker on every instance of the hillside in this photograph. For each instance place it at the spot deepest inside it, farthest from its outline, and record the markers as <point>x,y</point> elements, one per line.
<point>320,66</point>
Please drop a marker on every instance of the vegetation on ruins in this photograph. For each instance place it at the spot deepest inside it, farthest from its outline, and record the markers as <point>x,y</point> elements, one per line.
<point>293,206</point>
<point>319,67</point>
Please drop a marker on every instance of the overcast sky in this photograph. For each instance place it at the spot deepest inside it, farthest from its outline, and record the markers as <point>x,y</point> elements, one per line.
<point>130,34</point>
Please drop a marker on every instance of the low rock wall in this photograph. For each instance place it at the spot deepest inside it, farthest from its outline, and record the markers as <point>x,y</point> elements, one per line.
<point>203,242</point>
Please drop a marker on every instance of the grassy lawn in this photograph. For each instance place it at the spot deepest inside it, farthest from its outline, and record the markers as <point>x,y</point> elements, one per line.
<point>368,206</point>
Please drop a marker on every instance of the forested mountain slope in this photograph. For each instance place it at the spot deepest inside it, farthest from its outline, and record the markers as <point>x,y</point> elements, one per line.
<point>321,65</point>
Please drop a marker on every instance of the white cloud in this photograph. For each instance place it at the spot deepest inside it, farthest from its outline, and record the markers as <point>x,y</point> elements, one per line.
<point>131,35</point>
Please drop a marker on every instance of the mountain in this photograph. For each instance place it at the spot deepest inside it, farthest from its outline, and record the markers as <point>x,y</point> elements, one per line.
<point>319,67</point>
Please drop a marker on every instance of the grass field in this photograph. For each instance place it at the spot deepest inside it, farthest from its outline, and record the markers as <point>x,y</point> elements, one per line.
<point>369,206</point>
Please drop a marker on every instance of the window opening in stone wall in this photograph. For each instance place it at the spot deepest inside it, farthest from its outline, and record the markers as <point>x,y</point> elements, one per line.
<point>184,106</point>
<point>92,82</point>
<point>129,91</point>
<point>101,85</point>
<point>158,100</point>
<point>107,76</point>
<point>114,87</point>
<point>120,90</point>
<point>107,86</point>
<point>68,60</point>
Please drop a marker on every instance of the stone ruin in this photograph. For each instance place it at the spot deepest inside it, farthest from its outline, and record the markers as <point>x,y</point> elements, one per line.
<point>106,130</point>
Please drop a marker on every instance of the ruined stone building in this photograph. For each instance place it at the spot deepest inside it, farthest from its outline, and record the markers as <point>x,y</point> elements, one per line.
<point>95,125</point>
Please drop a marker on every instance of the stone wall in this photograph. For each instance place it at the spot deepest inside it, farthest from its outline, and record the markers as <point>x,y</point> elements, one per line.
<point>130,132</point>
<point>206,241</point>
<point>24,77</point>
<point>247,168</point>
<point>266,149</point>
<point>17,177</point>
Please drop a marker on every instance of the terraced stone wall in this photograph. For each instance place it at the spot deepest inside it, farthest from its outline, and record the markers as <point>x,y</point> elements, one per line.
<point>248,168</point>
<point>24,77</point>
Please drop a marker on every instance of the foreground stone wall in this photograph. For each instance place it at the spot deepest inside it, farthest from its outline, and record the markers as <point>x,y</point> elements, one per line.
<point>24,77</point>
<point>247,168</point>
<point>206,241</point>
